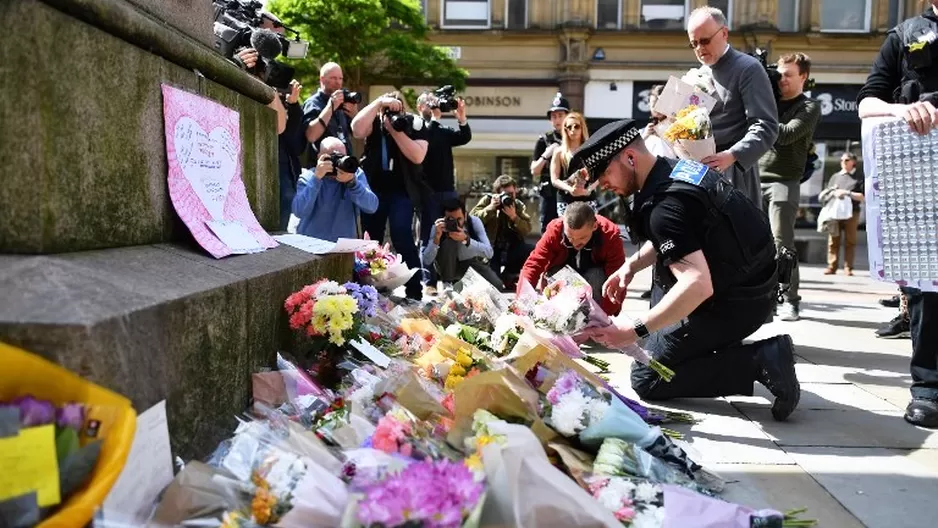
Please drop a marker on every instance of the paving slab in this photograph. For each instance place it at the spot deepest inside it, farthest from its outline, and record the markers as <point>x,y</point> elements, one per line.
<point>898,396</point>
<point>885,488</point>
<point>821,396</point>
<point>729,438</point>
<point>784,488</point>
<point>848,428</point>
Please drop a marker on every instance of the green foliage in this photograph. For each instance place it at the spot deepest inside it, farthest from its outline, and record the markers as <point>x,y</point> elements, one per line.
<point>374,41</point>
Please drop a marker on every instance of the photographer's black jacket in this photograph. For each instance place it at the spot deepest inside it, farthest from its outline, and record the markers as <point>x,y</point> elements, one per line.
<point>405,175</point>
<point>438,165</point>
<point>893,78</point>
<point>292,142</point>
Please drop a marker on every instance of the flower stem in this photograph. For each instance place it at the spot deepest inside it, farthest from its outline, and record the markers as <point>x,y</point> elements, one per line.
<point>677,435</point>
<point>603,365</point>
<point>791,522</point>
<point>663,371</point>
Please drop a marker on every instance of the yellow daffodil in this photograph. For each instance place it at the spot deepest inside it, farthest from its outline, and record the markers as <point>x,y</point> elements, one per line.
<point>464,359</point>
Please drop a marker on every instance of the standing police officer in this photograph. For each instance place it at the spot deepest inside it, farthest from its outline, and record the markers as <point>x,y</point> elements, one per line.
<point>903,83</point>
<point>544,149</point>
<point>715,275</point>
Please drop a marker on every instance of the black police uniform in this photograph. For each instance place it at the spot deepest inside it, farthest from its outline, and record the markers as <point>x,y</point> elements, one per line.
<point>909,56</point>
<point>546,189</point>
<point>685,207</point>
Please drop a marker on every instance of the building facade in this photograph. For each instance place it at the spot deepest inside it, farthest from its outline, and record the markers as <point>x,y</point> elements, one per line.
<point>604,55</point>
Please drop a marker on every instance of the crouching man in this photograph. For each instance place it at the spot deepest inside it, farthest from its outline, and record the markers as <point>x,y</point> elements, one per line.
<point>459,242</point>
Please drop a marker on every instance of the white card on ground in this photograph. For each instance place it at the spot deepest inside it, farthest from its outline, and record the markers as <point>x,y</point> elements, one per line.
<point>371,352</point>
<point>318,246</point>
<point>149,469</point>
<point>234,235</point>
<point>351,245</point>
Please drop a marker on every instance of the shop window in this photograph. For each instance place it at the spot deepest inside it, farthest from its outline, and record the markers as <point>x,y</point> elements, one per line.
<point>608,14</point>
<point>517,167</point>
<point>788,19</point>
<point>845,16</point>
<point>466,14</point>
<point>516,14</point>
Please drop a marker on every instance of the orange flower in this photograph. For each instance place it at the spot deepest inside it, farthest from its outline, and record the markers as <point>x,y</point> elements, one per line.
<point>262,506</point>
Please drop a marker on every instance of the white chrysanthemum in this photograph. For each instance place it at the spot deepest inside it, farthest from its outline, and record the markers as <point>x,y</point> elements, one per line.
<point>362,397</point>
<point>567,415</point>
<point>649,518</point>
<point>646,492</point>
<point>504,324</point>
<point>623,487</point>
<point>329,288</point>
<point>610,498</point>
<point>596,410</point>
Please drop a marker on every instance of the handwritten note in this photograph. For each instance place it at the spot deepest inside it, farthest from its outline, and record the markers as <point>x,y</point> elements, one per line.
<point>678,94</point>
<point>148,470</point>
<point>321,247</point>
<point>235,236</point>
<point>30,464</point>
<point>371,352</point>
<point>208,161</point>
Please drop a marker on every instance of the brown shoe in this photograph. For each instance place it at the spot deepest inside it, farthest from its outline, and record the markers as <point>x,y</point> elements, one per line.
<point>848,272</point>
<point>830,271</point>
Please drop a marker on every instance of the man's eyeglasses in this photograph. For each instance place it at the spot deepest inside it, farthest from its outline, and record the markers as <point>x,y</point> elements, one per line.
<point>571,128</point>
<point>704,41</point>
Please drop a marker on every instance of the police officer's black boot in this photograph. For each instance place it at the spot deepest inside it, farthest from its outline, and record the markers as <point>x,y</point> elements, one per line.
<point>775,364</point>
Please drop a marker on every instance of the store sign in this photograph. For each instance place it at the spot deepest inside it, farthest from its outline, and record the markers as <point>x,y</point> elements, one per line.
<point>497,101</point>
<point>453,52</point>
<point>838,102</point>
<point>641,109</point>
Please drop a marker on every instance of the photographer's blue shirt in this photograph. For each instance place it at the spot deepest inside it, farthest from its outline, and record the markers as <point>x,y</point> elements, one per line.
<point>328,209</point>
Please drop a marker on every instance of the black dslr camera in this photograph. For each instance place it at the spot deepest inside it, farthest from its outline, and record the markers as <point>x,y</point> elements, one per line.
<point>400,121</point>
<point>342,163</point>
<point>450,224</point>
<point>774,76</point>
<point>351,97</point>
<point>446,99</point>
<point>505,200</point>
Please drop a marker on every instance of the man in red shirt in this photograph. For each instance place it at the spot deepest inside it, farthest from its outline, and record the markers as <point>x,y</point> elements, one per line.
<point>583,240</point>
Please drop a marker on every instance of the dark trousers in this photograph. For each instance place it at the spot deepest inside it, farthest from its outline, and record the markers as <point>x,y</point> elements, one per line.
<point>451,269</point>
<point>705,350</point>
<point>397,211</point>
<point>287,193</point>
<point>431,211</point>
<point>923,322</point>
<point>510,258</point>
<point>548,210</point>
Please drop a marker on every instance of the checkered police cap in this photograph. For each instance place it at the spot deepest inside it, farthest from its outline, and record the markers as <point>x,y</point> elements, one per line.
<point>596,153</point>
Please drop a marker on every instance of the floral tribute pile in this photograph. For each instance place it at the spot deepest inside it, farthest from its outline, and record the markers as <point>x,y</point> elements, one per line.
<point>474,412</point>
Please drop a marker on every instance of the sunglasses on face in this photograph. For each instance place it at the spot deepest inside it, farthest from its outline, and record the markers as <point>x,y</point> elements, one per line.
<point>571,128</point>
<point>704,41</point>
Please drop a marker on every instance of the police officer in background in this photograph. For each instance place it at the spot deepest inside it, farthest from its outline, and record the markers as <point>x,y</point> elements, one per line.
<point>544,149</point>
<point>715,275</point>
<point>903,83</point>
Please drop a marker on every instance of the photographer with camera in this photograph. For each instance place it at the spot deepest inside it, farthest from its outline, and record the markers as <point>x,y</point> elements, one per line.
<point>395,147</point>
<point>507,224</point>
<point>438,164</point>
<point>781,168</point>
<point>330,196</point>
<point>459,242</point>
<point>329,111</point>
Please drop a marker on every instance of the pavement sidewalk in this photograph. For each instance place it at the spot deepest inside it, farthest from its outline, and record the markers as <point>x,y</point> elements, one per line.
<point>846,453</point>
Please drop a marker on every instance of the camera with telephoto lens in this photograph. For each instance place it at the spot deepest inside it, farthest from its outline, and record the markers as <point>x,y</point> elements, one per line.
<point>506,200</point>
<point>450,225</point>
<point>400,121</point>
<point>446,99</point>
<point>238,26</point>
<point>343,163</point>
<point>351,97</point>
<point>774,76</point>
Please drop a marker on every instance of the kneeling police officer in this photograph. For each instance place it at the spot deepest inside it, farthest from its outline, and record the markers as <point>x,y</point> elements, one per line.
<point>715,281</point>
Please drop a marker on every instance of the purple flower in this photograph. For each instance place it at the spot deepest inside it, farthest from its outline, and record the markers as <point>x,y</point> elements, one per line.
<point>71,415</point>
<point>365,296</point>
<point>564,384</point>
<point>34,412</point>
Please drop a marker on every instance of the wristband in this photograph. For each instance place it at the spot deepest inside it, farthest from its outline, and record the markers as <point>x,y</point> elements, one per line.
<point>640,330</point>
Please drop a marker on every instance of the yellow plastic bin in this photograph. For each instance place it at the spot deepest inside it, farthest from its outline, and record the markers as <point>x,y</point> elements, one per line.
<point>22,373</point>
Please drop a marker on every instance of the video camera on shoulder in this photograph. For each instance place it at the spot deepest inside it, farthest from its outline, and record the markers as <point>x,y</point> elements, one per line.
<point>446,99</point>
<point>342,163</point>
<point>774,76</point>
<point>238,26</point>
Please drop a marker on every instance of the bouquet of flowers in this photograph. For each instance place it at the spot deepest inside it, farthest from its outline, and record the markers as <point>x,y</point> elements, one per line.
<point>690,133</point>
<point>381,268</point>
<point>619,458</point>
<point>508,330</point>
<point>639,503</point>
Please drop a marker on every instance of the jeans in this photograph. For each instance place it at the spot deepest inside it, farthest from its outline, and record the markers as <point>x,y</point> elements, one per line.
<point>396,210</point>
<point>705,350</point>
<point>287,193</point>
<point>451,269</point>
<point>848,230</point>
<point>923,321</point>
<point>432,211</point>
<point>782,215</point>
<point>511,258</point>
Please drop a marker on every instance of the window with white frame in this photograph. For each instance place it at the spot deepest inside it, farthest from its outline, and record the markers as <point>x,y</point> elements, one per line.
<point>608,14</point>
<point>788,19</point>
<point>466,14</point>
<point>516,14</point>
<point>896,12</point>
<point>672,14</point>
<point>845,16</point>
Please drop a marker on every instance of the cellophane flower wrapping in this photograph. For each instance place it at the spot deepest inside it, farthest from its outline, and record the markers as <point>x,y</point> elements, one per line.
<point>690,134</point>
<point>382,268</point>
<point>505,336</point>
<point>622,458</point>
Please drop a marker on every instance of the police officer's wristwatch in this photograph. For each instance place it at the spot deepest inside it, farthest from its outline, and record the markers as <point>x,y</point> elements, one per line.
<point>640,329</point>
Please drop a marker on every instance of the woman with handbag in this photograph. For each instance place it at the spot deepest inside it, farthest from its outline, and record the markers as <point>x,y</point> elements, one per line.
<point>845,184</point>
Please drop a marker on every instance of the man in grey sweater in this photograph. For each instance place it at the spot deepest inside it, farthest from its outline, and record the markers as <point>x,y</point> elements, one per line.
<point>745,118</point>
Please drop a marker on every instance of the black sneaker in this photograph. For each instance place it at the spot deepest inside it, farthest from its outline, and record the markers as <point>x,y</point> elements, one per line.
<point>890,302</point>
<point>923,413</point>
<point>775,358</point>
<point>898,328</point>
<point>645,295</point>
